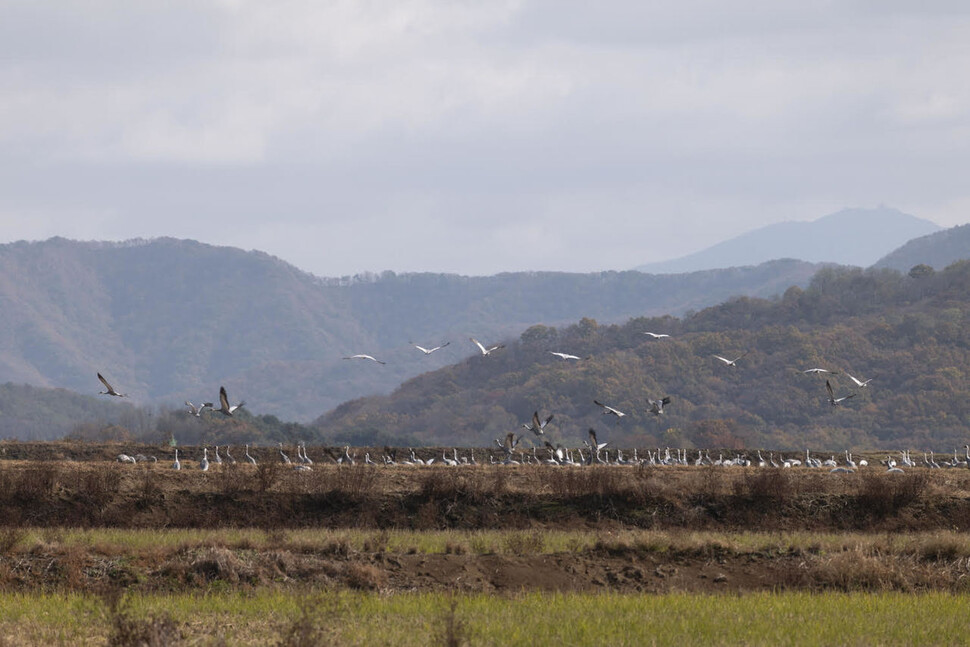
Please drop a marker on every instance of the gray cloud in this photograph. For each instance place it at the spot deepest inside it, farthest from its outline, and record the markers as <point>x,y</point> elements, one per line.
<point>475,137</point>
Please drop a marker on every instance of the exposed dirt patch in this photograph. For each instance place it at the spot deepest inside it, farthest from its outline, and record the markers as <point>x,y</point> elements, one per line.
<point>589,571</point>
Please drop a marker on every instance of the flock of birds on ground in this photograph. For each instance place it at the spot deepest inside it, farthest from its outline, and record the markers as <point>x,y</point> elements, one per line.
<point>596,452</point>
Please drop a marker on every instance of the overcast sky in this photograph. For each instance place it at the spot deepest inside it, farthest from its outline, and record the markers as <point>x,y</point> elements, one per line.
<point>480,136</point>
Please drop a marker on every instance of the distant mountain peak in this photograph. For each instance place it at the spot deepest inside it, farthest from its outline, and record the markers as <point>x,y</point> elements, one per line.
<point>852,236</point>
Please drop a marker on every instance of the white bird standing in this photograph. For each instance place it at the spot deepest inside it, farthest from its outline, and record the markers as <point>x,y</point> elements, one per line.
<point>218,459</point>
<point>248,457</point>
<point>607,410</point>
<point>481,347</point>
<point>373,359</point>
<point>283,457</point>
<point>304,458</point>
<point>110,389</point>
<point>224,407</point>
<point>176,465</point>
<point>428,351</point>
<point>204,463</point>
<point>732,362</point>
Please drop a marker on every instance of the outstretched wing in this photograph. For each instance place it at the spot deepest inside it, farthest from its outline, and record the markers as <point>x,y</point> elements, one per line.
<point>223,399</point>
<point>105,382</point>
<point>828,387</point>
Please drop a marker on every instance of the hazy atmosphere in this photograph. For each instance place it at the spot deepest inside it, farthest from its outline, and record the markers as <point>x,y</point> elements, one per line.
<point>475,137</point>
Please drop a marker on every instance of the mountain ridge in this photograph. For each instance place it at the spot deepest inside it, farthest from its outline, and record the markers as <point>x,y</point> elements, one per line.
<point>937,250</point>
<point>856,237</point>
<point>168,320</point>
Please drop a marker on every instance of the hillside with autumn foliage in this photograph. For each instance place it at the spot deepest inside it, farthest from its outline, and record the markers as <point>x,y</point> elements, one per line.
<point>909,332</point>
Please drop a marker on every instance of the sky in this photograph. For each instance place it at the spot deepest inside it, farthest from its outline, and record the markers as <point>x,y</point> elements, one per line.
<point>475,137</point>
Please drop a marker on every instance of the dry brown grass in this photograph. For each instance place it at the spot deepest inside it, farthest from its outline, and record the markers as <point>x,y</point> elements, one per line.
<point>127,630</point>
<point>364,577</point>
<point>359,496</point>
<point>452,631</point>
<point>315,624</point>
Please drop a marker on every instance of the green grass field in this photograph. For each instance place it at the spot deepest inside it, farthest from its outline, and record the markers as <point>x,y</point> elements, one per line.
<point>264,618</point>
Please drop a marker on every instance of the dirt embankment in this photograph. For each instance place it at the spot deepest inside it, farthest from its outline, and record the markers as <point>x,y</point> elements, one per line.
<point>152,495</point>
<point>614,568</point>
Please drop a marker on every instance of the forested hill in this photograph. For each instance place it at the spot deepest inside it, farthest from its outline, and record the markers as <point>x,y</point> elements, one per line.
<point>170,320</point>
<point>935,250</point>
<point>36,412</point>
<point>909,333</point>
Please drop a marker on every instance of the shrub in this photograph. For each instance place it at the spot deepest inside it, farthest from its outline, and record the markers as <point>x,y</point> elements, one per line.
<point>153,631</point>
<point>364,577</point>
<point>521,543</point>
<point>882,495</point>
<point>128,631</point>
<point>314,626</point>
<point>357,481</point>
<point>453,632</point>
<point>10,538</point>
<point>231,479</point>
<point>767,486</point>
<point>267,475</point>
<point>377,543</point>
<point>36,483</point>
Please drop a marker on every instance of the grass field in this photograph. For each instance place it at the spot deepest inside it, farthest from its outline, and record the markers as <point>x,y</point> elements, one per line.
<point>269,618</point>
<point>934,545</point>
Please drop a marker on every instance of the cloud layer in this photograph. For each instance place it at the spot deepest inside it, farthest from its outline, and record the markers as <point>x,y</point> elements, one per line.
<point>475,137</point>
